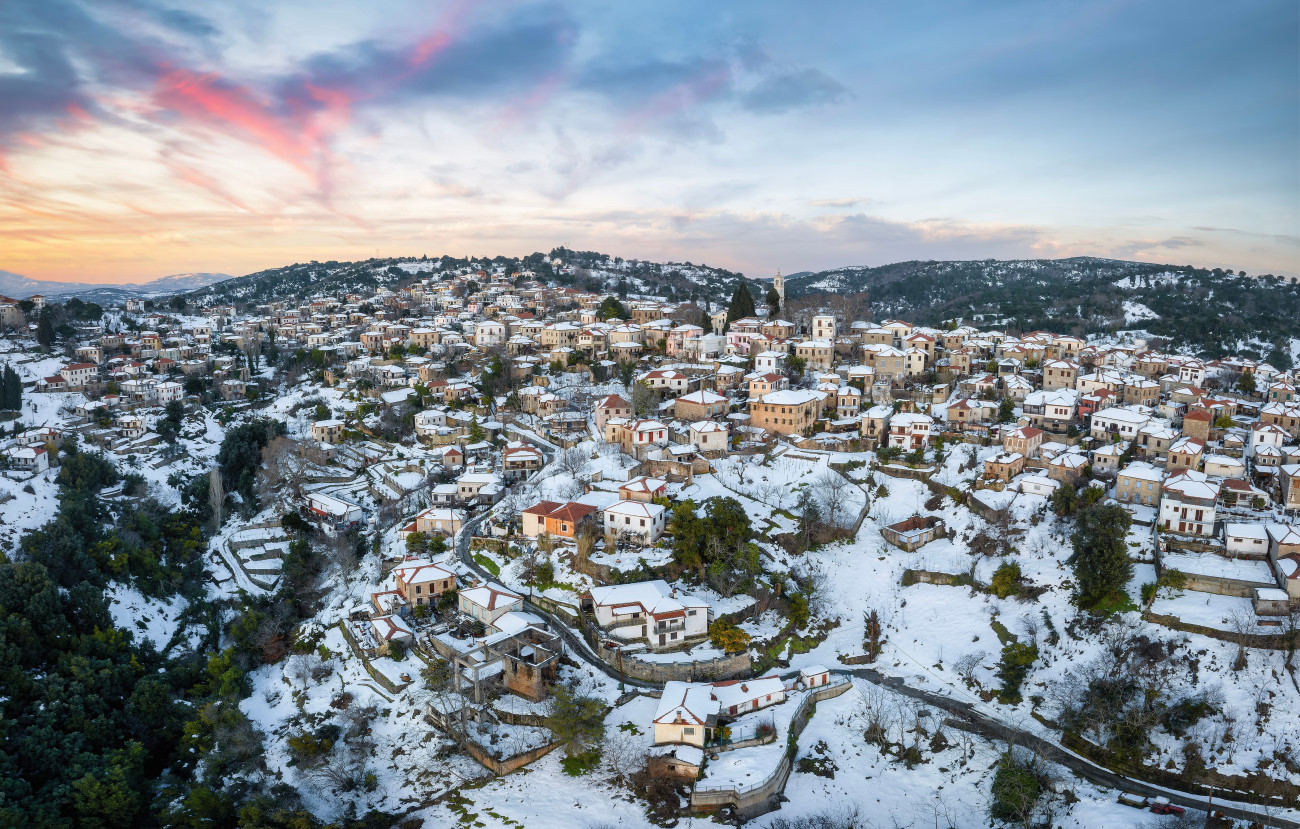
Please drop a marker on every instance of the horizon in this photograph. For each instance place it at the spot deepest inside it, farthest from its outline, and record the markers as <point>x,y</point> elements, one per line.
<point>141,140</point>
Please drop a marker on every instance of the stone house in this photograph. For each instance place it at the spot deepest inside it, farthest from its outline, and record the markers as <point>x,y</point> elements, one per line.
<point>913,533</point>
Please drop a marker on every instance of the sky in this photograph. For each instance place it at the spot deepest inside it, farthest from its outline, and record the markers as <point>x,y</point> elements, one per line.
<point>141,138</point>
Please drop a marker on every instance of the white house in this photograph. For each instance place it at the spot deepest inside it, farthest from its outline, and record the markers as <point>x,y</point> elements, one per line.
<point>339,514</point>
<point>769,361</point>
<point>635,518</point>
<point>489,333</point>
<point>1245,539</point>
<point>1266,434</point>
<point>28,458</point>
<point>687,711</point>
<point>910,431</point>
<point>1187,503</point>
<point>488,603</point>
<point>169,391</point>
<point>1123,421</point>
<point>649,610</point>
<point>708,436</point>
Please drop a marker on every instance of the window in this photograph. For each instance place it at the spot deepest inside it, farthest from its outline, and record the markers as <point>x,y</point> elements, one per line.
<point>688,731</point>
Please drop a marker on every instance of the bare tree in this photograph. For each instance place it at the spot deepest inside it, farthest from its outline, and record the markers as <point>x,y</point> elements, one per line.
<point>622,755</point>
<point>573,460</point>
<point>645,400</point>
<point>813,581</point>
<point>967,664</point>
<point>283,467</point>
<point>341,551</point>
<point>833,490</point>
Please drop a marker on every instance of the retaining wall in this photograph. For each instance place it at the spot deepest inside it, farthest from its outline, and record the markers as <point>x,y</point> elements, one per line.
<point>1251,640</point>
<point>759,798</point>
<point>504,765</point>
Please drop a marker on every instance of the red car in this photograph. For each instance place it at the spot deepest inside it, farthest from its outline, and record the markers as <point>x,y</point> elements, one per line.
<point>1167,809</point>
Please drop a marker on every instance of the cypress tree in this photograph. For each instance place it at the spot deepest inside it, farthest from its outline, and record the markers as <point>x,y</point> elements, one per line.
<point>742,304</point>
<point>1101,564</point>
<point>11,390</point>
<point>45,330</point>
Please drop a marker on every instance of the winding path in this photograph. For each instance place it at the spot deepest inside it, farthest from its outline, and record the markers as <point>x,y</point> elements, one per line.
<point>992,729</point>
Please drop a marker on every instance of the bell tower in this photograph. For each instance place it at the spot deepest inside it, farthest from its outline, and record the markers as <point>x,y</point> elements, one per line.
<point>778,282</point>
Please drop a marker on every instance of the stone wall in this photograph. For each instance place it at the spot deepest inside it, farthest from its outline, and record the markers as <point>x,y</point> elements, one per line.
<point>911,577</point>
<point>895,471</point>
<point>504,765</point>
<point>483,542</point>
<point>1251,640</point>
<point>736,666</point>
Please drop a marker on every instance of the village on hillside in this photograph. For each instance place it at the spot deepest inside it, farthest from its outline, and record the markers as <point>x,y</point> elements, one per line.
<point>589,559</point>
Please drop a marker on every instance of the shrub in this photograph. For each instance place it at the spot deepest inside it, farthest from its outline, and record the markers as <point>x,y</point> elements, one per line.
<point>1016,790</point>
<point>1017,658</point>
<point>1149,592</point>
<point>1006,580</point>
<point>725,635</point>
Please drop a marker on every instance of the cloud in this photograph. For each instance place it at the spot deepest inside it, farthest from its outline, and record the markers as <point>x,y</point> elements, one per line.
<point>793,89</point>
<point>44,89</point>
<point>851,202</point>
<point>463,62</point>
<point>1148,246</point>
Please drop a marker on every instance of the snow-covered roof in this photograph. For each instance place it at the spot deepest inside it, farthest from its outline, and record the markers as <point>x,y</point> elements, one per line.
<point>490,596</point>
<point>634,509</point>
<point>686,702</point>
<point>790,397</point>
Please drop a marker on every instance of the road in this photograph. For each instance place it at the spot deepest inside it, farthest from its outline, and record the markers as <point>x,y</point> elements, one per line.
<point>979,723</point>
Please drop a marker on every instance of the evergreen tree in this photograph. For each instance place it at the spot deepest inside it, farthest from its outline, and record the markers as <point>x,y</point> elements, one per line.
<point>1006,411</point>
<point>1101,564</point>
<point>11,390</point>
<point>611,308</point>
<point>773,300</point>
<point>742,304</point>
<point>45,330</point>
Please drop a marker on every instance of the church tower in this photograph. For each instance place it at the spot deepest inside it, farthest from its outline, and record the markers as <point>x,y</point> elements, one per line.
<point>778,282</point>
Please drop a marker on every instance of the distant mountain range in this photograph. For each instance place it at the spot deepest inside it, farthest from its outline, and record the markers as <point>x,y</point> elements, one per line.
<point>17,286</point>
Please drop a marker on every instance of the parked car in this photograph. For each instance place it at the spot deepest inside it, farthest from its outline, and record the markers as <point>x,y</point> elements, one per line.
<point>1162,806</point>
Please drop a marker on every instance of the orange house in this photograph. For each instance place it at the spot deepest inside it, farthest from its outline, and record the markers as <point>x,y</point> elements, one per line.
<point>557,520</point>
